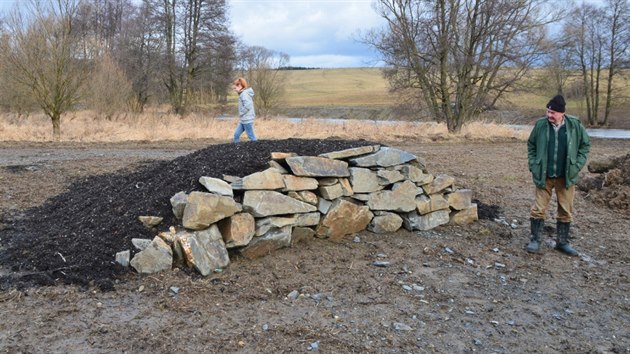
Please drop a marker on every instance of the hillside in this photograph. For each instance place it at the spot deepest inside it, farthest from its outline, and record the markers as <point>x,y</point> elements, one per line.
<point>363,93</point>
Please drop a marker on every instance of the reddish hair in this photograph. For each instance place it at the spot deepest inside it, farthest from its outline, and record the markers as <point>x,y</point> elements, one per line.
<point>241,81</point>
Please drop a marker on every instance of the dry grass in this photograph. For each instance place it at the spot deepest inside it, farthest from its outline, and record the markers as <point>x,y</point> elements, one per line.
<point>84,127</point>
<point>366,87</point>
<point>363,87</point>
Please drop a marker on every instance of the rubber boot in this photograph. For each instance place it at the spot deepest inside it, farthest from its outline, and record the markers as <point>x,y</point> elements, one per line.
<point>562,241</point>
<point>536,228</point>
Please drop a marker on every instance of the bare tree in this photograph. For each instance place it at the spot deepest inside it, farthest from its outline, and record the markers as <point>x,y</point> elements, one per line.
<point>109,89</point>
<point>617,14</point>
<point>219,58</point>
<point>137,51</point>
<point>558,68</point>
<point>459,57</point>
<point>217,55</point>
<point>42,55</point>
<point>588,38</point>
<point>98,24</point>
<point>13,97</point>
<point>260,65</point>
<point>188,27</point>
<point>599,37</point>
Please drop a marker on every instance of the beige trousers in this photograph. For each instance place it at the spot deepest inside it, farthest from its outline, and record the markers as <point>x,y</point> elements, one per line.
<point>565,200</point>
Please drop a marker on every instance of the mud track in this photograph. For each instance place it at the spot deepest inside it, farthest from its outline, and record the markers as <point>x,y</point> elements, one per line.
<point>452,289</point>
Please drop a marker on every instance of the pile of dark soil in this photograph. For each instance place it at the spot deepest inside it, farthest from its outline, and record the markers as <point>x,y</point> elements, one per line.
<point>73,237</point>
<point>609,183</point>
<point>487,211</point>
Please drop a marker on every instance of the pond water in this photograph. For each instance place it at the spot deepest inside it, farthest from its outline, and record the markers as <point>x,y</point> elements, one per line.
<point>593,133</point>
<point>609,133</point>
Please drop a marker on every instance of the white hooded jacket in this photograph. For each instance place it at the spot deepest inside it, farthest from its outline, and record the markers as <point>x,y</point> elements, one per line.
<point>246,112</point>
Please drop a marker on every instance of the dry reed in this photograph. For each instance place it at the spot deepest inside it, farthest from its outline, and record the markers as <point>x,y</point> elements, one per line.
<point>85,127</point>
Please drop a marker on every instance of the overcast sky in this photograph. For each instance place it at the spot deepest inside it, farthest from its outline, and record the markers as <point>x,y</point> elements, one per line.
<point>314,33</point>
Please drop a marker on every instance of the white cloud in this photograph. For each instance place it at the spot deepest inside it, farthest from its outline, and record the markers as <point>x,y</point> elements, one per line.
<point>315,33</point>
<point>304,29</point>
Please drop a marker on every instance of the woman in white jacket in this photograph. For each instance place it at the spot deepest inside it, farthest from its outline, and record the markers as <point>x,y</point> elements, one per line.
<point>246,112</point>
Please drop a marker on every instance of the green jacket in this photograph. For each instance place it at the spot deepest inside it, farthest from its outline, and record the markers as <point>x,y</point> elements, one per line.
<point>578,142</point>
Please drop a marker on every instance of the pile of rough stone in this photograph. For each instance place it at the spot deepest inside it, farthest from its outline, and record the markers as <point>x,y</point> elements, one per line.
<point>329,196</point>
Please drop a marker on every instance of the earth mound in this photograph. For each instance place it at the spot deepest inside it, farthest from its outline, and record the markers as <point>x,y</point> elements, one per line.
<point>73,238</point>
<point>609,182</point>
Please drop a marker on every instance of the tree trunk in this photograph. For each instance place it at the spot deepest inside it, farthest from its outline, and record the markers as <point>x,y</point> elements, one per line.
<point>596,97</point>
<point>608,95</point>
<point>56,123</point>
<point>587,94</point>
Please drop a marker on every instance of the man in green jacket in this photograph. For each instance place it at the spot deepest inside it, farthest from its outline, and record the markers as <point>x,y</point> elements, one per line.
<point>557,149</point>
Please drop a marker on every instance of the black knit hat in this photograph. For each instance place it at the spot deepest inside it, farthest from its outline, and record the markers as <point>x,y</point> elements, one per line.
<point>557,104</point>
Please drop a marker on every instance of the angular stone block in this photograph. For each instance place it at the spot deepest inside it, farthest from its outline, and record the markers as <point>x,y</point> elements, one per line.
<point>216,186</point>
<point>460,199</point>
<point>157,257</point>
<point>426,204</point>
<point>323,205</point>
<point>385,222</point>
<point>150,221</point>
<point>439,184</point>
<point>346,187</point>
<point>273,240</point>
<point>358,151</point>
<point>415,174</point>
<point>308,219</point>
<point>465,216</point>
<point>364,180</point>
<point>304,196</point>
<point>414,221</point>
<point>310,166</point>
<point>282,155</point>
<point>178,204</point>
<point>387,177</point>
<point>123,257</point>
<point>402,198</point>
<point>267,224</point>
<point>267,203</point>
<point>205,250</point>
<point>269,179</point>
<point>204,209</point>
<point>237,230</point>
<point>295,183</point>
<point>384,157</point>
<point>344,218</point>
<point>331,192</point>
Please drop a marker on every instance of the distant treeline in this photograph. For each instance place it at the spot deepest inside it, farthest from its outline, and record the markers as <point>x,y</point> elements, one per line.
<point>296,68</point>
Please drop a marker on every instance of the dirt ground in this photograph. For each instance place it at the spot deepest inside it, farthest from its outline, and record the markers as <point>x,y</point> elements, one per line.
<point>448,290</point>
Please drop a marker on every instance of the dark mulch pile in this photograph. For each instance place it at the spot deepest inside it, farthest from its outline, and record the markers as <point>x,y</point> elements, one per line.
<point>487,211</point>
<point>73,237</point>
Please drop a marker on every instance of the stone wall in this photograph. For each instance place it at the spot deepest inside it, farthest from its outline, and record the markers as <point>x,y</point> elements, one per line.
<point>330,196</point>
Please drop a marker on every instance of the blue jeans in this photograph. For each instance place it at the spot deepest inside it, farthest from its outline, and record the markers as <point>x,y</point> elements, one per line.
<point>244,127</point>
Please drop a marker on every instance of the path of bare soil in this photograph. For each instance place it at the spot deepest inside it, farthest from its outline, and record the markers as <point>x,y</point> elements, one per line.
<point>448,290</point>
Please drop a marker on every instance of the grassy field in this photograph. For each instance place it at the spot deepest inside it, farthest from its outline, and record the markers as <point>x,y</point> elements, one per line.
<point>326,89</point>
<point>363,87</point>
<point>363,93</point>
<point>337,87</point>
<point>83,127</point>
